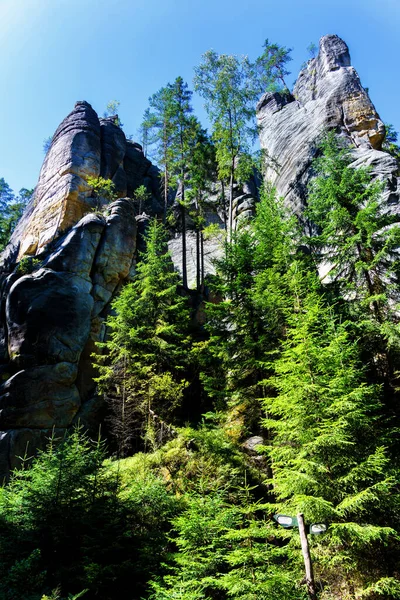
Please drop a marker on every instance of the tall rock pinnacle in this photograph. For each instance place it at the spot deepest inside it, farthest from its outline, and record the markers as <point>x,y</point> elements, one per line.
<point>327,95</point>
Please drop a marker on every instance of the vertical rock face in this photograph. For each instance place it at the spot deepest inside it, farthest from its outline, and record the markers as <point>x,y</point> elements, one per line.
<point>245,197</point>
<point>83,146</point>
<point>327,95</point>
<point>55,302</point>
<point>61,196</point>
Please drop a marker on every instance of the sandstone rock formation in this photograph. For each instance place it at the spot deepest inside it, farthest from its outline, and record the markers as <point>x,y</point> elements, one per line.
<point>52,319</point>
<point>327,95</point>
<point>54,302</point>
<point>83,146</point>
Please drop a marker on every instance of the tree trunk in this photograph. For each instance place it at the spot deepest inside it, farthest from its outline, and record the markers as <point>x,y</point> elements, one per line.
<point>224,205</point>
<point>202,260</point>
<point>183,214</point>
<point>198,282</point>
<point>165,195</point>
<point>231,203</point>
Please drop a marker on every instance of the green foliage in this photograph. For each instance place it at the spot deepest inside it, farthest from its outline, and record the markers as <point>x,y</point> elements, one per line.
<point>356,236</point>
<point>27,265</point>
<point>390,143</point>
<point>224,83</point>
<point>354,241</point>
<point>159,131</point>
<point>11,209</point>
<point>142,369</point>
<point>174,131</point>
<point>249,321</point>
<point>312,50</point>
<point>230,86</point>
<point>269,69</point>
<point>102,189</point>
<point>146,133</point>
<point>142,197</point>
<point>112,111</point>
<point>47,144</point>
<point>55,595</point>
<point>328,450</point>
<point>66,524</point>
<point>225,549</point>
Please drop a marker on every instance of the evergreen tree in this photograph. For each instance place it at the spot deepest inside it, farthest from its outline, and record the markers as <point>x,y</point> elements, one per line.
<point>67,524</point>
<point>227,550</point>
<point>11,209</point>
<point>142,370</point>
<point>145,132</point>
<point>202,175</point>
<point>355,244</point>
<point>390,143</point>
<point>356,235</point>
<point>249,322</point>
<point>329,446</point>
<point>185,127</point>
<point>160,131</point>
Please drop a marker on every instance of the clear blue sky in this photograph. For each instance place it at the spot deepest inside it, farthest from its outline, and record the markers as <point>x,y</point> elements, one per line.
<point>54,52</point>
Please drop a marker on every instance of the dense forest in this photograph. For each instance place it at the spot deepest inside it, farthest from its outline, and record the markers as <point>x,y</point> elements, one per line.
<point>269,389</point>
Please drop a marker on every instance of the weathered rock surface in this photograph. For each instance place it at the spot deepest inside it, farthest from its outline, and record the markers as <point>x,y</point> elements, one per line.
<point>327,95</point>
<point>53,309</point>
<point>52,319</point>
<point>245,199</point>
<point>83,146</point>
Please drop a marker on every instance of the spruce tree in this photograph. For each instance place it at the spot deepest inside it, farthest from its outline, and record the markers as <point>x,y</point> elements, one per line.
<point>142,368</point>
<point>354,236</point>
<point>202,173</point>
<point>354,241</point>
<point>249,320</point>
<point>329,448</point>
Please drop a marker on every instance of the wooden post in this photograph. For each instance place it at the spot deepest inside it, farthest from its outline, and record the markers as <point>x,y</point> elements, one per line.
<point>307,558</point>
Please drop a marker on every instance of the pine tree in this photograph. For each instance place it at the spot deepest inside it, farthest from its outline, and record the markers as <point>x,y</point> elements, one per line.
<point>184,139</point>
<point>159,131</point>
<point>202,174</point>
<point>142,370</point>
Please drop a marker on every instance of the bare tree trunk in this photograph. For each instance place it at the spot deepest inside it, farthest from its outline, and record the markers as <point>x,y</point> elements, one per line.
<point>202,260</point>
<point>165,195</point>
<point>231,204</point>
<point>198,276</point>
<point>224,205</point>
<point>183,213</point>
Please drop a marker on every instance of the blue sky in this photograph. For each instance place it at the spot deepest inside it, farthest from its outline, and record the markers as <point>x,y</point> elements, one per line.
<point>54,52</point>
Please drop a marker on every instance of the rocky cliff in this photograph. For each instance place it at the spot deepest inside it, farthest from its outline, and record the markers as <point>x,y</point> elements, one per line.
<point>327,95</point>
<point>61,269</point>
